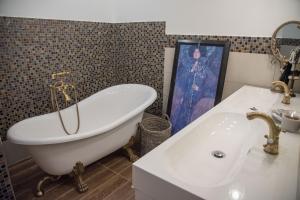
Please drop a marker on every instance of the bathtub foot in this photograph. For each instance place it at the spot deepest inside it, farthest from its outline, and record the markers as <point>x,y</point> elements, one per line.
<point>77,172</point>
<point>39,187</point>
<point>129,152</point>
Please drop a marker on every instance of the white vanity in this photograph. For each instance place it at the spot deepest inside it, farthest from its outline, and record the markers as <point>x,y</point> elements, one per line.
<point>220,156</point>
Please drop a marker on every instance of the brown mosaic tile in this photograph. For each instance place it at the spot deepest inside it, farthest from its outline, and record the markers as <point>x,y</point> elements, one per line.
<point>139,56</point>
<point>32,49</point>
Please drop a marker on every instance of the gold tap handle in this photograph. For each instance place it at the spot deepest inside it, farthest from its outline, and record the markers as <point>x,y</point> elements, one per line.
<point>61,74</point>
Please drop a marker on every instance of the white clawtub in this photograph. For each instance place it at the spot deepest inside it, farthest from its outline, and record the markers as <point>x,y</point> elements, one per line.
<point>108,119</point>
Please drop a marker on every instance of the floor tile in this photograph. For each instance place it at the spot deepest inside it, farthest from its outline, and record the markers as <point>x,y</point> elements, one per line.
<point>127,173</point>
<point>123,192</point>
<point>107,178</point>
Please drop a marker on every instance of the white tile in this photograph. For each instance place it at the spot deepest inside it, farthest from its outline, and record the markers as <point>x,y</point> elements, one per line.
<point>250,68</point>
<point>165,103</point>
<point>277,72</point>
<point>230,87</point>
<point>167,77</point>
<point>168,66</point>
<point>166,92</point>
<point>167,81</point>
<point>169,58</point>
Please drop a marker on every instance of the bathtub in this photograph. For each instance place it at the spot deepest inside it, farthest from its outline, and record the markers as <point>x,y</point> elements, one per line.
<point>108,119</point>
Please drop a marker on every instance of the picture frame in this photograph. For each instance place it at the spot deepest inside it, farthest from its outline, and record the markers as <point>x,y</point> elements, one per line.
<point>197,81</point>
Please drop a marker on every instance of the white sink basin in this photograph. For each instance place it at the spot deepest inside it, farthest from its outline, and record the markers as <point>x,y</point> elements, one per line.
<point>183,167</point>
<point>194,164</point>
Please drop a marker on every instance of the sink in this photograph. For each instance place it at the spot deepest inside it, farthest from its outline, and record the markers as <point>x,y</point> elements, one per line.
<point>183,166</point>
<point>196,164</point>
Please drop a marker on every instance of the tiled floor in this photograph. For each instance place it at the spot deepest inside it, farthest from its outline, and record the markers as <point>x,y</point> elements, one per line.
<point>108,179</point>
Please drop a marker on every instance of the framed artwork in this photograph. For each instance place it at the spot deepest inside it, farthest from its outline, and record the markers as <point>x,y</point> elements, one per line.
<point>197,80</point>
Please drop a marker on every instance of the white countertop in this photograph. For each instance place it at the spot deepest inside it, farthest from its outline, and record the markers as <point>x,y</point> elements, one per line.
<point>262,176</point>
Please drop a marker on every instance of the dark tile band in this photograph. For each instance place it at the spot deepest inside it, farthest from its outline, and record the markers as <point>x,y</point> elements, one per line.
<point>261,45</point>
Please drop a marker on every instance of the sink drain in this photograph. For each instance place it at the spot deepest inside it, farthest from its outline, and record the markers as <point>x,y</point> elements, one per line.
<point>218,154</point>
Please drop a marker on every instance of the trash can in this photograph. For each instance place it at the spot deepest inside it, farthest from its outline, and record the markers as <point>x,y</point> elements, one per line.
<point>154,131</point>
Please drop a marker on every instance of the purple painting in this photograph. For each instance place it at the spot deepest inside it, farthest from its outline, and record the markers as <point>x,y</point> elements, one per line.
<point>196,83</point>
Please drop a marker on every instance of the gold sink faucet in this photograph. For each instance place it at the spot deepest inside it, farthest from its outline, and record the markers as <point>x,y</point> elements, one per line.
<point>273,137</point>
<point>285,89</point>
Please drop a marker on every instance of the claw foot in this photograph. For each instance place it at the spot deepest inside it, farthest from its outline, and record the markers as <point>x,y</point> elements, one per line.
<point>77,172</point>
<point>128,150</point>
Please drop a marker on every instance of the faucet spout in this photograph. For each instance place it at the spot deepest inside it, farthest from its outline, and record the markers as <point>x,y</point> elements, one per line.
<point>273,137</point>
<point>283,86</point>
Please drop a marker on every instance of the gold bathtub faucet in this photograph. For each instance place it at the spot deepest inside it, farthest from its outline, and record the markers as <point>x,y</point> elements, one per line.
<point>61,86</point>
<point>285,89</point>
<point>273,137</point>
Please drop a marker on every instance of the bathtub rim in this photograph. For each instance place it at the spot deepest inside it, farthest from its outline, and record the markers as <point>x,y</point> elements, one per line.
<point>75,137</point>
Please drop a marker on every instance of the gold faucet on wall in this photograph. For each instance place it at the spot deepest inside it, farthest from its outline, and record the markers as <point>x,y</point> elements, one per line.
<point>59,74</point>
<point>273,137</point>
<point>61,86</point>
<point>283,88</point>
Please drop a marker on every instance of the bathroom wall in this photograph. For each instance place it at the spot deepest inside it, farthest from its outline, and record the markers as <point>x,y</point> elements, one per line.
<point>76,10</point>
<point>141,51</point>
<point>104,54</point>
<point>211,17</point>
<point>99,55</point>
<point>189,17</point>
<point>32,49</point>
<point>250,63</point>
<point>139,56</point>
<point>254,19</point>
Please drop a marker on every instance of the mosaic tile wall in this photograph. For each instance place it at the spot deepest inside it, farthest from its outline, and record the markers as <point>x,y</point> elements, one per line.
<point>98,54</point>
<point>6,190</point>
<point>261,45</point>
<point>32,49</point>
<point>139,56</point>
